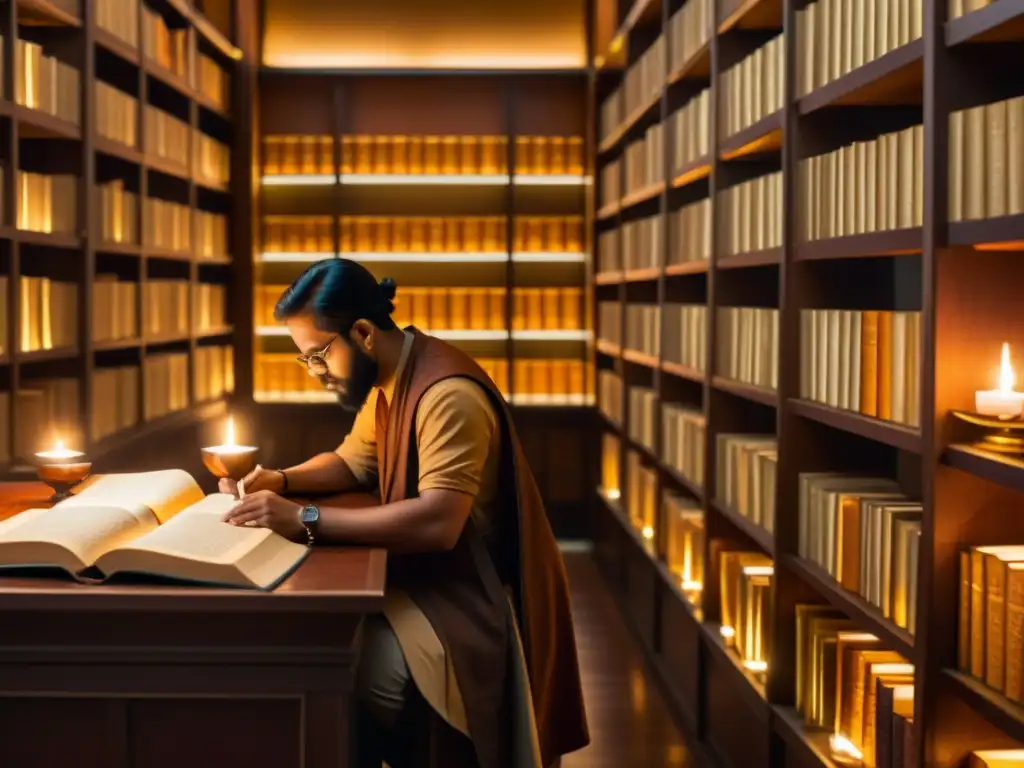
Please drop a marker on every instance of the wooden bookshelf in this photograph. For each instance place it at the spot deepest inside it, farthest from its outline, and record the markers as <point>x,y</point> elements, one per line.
<point>916,246</point>
<point>81,358</point>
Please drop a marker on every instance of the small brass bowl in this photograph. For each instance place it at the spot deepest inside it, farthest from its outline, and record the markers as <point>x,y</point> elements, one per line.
<point>62,474</point>
<point>1004,436</point>
<point>235,461</point>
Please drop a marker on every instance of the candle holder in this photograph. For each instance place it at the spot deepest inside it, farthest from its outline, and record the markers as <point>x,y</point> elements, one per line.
<point>231,461</point>
<point>1000,435</point>
<point>62,470</point>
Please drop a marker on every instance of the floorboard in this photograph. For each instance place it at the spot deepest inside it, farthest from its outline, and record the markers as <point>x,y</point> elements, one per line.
<point>630,724</point>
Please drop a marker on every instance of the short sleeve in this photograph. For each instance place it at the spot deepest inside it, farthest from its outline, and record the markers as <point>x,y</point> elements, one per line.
<point>359,448</point>
<point>455,423</point>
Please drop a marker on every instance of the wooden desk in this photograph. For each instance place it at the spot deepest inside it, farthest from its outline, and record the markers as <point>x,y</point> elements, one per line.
<point>181,677</point>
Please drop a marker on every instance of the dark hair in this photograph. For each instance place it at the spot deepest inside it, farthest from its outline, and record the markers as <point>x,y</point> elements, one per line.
<point>337,292</point>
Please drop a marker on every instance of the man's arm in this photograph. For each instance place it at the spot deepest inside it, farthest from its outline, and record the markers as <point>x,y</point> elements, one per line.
<point>324,473</point>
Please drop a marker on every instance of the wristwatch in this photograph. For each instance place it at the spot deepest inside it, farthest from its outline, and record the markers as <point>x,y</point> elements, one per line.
<point>309,516</point>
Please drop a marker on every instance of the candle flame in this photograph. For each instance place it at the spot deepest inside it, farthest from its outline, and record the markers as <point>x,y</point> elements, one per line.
<point>60,446</point>
<point>229,438</point>
<point>1005,371</point>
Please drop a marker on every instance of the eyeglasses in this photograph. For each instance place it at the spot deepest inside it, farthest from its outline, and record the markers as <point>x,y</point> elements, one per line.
<point>316,362</point>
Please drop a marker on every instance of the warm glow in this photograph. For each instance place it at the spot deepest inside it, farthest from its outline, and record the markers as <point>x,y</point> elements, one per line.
<point>995,755</point>
<point>648,532</point>
<point>614,494</point>
<point>756,665</point>
<point>843,747</point>
<point>758,570</point>
<point>229,445</point>
<point>691,586</point>
<point>727,632</point>
<point>1005,370</point>
<point>59,452</point>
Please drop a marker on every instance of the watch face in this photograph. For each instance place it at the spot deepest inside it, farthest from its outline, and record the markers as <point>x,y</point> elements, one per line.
<point>310,514</point>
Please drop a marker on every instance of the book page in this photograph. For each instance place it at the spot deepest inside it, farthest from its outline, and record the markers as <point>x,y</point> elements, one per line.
<point>70,537</point>
<point>163,493</point>
<point>197,545</point>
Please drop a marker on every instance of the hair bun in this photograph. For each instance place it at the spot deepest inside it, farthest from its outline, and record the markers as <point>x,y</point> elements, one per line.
<point>389,288</point>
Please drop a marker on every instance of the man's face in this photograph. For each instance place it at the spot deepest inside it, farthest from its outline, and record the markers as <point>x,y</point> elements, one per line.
<point>345,366</point>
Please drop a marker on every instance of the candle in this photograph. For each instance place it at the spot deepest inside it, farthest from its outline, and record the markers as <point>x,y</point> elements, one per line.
<point>1003,403</point>
<point>59,453</point>
<point>229,446</point>
<point>230,459</point>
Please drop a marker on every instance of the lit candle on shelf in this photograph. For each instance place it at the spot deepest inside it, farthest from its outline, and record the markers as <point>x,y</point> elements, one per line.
<point>62,469</point>
<point>1003,403</point>
<point>230,459</point>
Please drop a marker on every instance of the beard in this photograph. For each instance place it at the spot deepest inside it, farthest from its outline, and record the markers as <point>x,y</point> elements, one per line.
<point>353,390</point>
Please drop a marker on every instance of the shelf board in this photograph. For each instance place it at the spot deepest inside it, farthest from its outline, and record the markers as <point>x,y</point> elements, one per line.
<point>893,242</point>
<point>1003,233</point>
<point>308,397</point>
<point>998,22</point>
<point>168,78</point>
<point>888,432</point>
<point>49,239</point>
<point>696,267</point>
<point>693,171</point>
<point>554,257</point>
<point>640,358</point>
<point>43,13</point>
<point>698,67</point>
<point>1007,471</point>
<point>609,210</point>
<point>120,249</point>
<point>608,278</point>
<point>752,688</point>
<point>36,124</point>
<point>41,355</point>
<point>752,14</point>
<point>167,167</point>
<point>166,254</point>
<point>682,371</point>
<point>210,333</point>
<point>813,743</point>
<point>619,514</point>
<point>551,180</point>
<point>766,257</point>
<point>641,275</point>
<point>166,341</point>
<point>210,105</point>
<point>117,149</point>
<point>425,179</point>
<point>611,141</point>
<point>673,582</point>
<point>393,258</point>
<point>750,529</point>
<point>895,78</point>
<point>607,348</point>
<point>755,394</point>
<point>642,195</point>
<point>299,180</point>
<point>550,335</point>
<point>116,45</point>
<point>691,487</point>
<point>760,138</point>
<point>865,615</point>
<point>1006,715</point>
<point>109,345</point>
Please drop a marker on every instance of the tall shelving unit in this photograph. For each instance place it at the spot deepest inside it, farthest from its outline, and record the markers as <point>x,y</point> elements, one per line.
<point>940,255</point>
<point>87,149</point>
<point>469,188</point>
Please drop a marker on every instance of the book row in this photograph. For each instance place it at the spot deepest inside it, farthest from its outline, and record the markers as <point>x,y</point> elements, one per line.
<point>548,380</point>
<point>167,223</point>
<point>45,83</point>
<point>986,149</point>
<point>746,467</point>
<point>753,88</point>
<point>864,361</point>
<point>449,155</point>
<point>534,309</point>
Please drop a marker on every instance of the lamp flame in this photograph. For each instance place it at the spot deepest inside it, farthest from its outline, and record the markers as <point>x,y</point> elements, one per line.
<point>1005,370</point>
<point>229,435</point>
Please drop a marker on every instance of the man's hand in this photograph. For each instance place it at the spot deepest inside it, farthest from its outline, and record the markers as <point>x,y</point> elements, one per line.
<point>265,509</point>
<point>259,479</point>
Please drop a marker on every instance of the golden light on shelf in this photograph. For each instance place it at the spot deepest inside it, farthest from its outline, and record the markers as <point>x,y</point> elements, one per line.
<point>727,632</point>
<point>997,758</point>
<point>755,665</point>
<point>844,751</point>
<point>62,469</point>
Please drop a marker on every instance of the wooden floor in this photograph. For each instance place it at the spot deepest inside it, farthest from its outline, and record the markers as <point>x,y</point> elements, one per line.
<point>630,726</point>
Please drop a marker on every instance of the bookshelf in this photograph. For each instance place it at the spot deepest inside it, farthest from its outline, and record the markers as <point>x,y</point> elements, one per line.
<point>115,253</point>
<point>469,188</point>
<point>807,243</point>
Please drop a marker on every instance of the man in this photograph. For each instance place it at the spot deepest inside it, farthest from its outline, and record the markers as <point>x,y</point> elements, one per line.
<point>477,621</point>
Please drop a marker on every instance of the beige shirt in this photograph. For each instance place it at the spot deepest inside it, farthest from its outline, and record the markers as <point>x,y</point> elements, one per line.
<point>458,437</point>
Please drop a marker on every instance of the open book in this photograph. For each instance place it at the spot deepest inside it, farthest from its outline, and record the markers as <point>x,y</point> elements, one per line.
<point>156,523</point>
